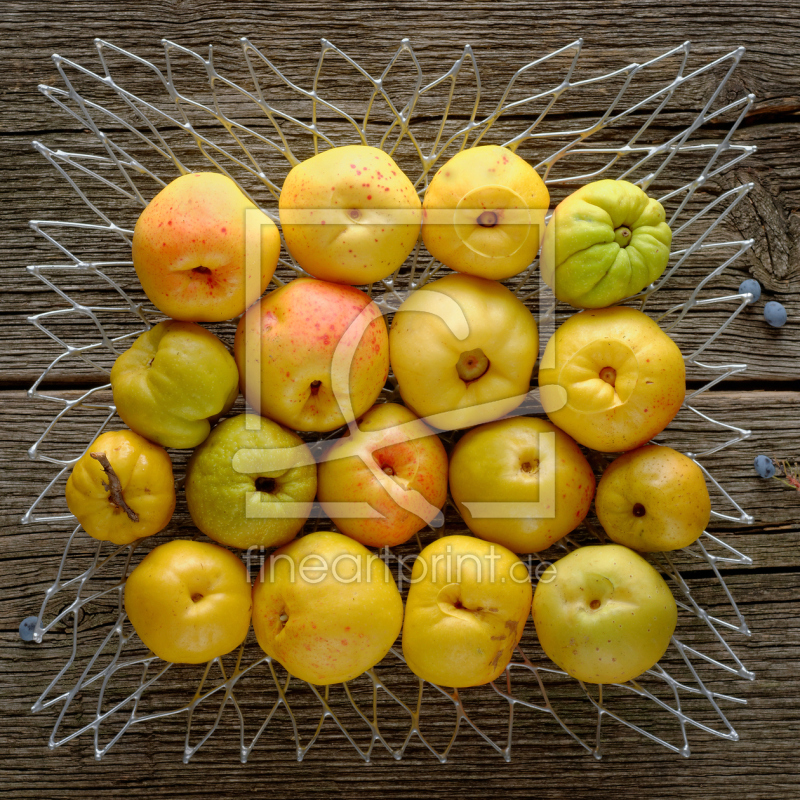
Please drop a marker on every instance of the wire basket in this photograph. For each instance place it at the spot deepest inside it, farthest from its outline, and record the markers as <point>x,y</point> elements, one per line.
<point>186,115</point>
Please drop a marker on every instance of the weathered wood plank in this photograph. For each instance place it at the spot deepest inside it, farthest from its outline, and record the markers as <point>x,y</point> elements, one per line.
<point>614,36</point>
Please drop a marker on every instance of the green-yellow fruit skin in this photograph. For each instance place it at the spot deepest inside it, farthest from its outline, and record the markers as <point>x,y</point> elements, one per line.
<point>671,492</point>
<point>603,614</point>
<point>172,382</point>
<point>588,258</point>
<point>224,502</point>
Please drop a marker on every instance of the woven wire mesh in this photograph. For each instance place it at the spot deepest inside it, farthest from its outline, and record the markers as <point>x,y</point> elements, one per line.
<point>187,116</point>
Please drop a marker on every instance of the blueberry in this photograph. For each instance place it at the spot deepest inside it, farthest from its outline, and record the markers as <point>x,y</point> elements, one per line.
<point>752,286</point>
<point>764,466</point>
<point>26,628</point>
<point>775,314</point>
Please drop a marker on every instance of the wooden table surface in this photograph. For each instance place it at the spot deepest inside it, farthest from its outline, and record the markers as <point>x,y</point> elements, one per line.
<point>764,762</point>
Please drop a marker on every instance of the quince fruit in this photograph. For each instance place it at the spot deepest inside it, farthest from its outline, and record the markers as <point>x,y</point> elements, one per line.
<point>467,607</point>
<point>653,498</point>
<point>611,378</point>
<point>173,382</point>
<point>395,463</point>
<point>463,349</point>
<point>603,614</point>
<point>605,242</point>
<point>121,489</point>
<point>326,608</point>
<point>202,250</point>
<point>236,491</point>
<point>531,472</point>
<point>312,355</point>
<point>483,213</point>
<point>349,215</point>
<point>189,601</point>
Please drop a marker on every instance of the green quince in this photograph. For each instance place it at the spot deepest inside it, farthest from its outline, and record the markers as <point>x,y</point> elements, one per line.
<point>605,242</point>
<point>174,382</point>
<point>251,483</point>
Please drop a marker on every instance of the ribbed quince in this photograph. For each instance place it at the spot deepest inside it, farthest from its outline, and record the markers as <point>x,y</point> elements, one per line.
<point>605,242</point>
<point>173,381</point>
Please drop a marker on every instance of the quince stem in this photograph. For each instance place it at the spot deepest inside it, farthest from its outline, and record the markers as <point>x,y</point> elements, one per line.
<point>472,365</point>
<point>114,487</point>
<point>622,236</point>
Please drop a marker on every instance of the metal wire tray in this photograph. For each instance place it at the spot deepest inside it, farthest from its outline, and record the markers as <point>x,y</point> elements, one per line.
<point>186,116</point>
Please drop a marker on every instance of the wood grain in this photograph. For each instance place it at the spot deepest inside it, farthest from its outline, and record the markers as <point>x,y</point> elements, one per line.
<point>505,35</point>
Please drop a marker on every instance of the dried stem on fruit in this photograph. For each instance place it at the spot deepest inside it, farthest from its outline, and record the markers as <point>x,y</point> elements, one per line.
<point>114,487</point>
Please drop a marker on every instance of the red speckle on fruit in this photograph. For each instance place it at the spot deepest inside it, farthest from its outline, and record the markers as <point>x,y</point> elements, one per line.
<point>224,230</point>
<point>369,197</point>
<point>170,222</point>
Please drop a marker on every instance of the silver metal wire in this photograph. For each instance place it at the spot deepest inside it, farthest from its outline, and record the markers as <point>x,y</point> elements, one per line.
<point>192,116</point>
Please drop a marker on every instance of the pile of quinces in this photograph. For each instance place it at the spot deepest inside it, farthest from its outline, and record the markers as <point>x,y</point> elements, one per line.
<point>314,355</point>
